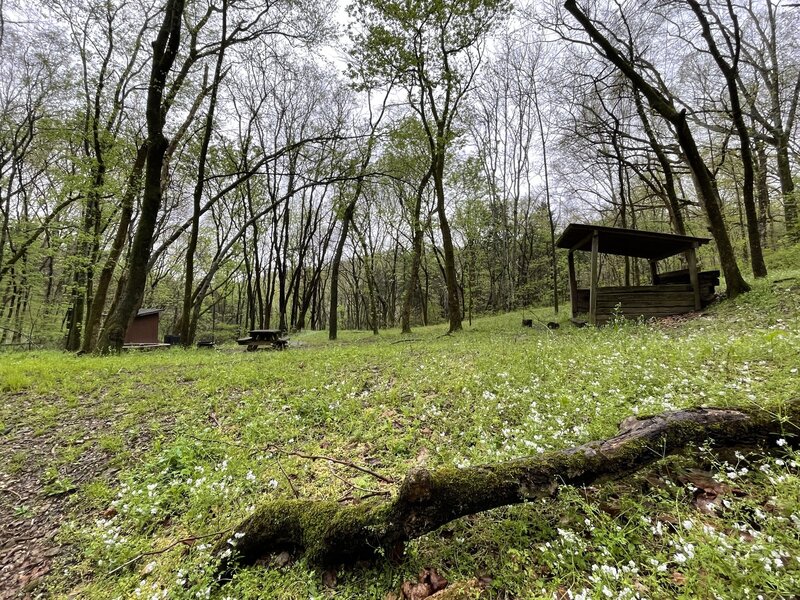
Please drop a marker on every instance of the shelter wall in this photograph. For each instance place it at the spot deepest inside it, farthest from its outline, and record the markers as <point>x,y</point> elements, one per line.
<point>647,301</point>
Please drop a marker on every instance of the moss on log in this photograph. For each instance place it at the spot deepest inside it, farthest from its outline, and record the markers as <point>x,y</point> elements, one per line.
<point>331,534</point>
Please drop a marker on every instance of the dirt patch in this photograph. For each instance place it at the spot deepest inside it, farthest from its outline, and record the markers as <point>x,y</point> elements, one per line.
<point>36,485</point>
<point>39,474</point>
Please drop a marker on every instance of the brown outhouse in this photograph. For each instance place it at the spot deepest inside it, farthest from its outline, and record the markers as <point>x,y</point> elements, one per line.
<point>144,328</point>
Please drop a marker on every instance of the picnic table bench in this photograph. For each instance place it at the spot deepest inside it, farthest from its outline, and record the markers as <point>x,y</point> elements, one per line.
<point>264,338</point>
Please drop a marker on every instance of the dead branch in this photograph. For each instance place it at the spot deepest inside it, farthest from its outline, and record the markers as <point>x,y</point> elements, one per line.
<point>338,461</point>
<point>330,534</point>
<point>288,480</point>
<point>186,541</point>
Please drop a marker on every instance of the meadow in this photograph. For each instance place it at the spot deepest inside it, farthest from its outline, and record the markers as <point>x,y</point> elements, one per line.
<point>118,474</point>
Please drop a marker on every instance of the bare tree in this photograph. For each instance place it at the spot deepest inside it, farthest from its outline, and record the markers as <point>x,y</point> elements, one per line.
<point>665,106</point>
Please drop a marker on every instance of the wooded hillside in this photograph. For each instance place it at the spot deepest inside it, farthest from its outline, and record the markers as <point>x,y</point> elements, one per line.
<point>293,165</point>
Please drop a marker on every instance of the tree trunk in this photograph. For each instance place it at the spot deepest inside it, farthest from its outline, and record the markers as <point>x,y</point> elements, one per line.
<point>453,302</point>
<point>330,534</point>
<point>186,330</point>
<point>672,202</point>
<point>416,254</point>
<point>730,72</point>
<point>790,202</point>
<point>762,190</point>
<point>333,317</point>
<point>103,283</point>
<point>165,49</point>
<point>369,276</point>
<point>703,178</point>
<point>548,203</point>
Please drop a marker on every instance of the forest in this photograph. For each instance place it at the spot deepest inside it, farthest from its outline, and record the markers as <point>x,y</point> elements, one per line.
<point>392,193</point>
<point>304,165</point>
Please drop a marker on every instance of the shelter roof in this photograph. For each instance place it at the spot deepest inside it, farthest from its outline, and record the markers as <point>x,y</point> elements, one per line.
<point>144,312</point>
<point>627,242</point>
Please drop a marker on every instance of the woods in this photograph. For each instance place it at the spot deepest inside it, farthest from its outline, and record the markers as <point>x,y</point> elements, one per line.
<point>243,166</point>
<point>525,278</point>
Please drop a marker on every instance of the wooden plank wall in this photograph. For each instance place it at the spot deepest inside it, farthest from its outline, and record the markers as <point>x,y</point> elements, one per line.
<point>660,300</point>
<point>635,302</point>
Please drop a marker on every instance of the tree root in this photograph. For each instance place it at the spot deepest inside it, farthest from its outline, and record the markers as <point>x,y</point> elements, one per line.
<point>331,534</point>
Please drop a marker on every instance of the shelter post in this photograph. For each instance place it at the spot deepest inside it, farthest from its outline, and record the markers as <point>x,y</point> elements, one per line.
<point>691,259</point>
<point>595,277</point>
<point>654,271</point>
<point>573,283</point>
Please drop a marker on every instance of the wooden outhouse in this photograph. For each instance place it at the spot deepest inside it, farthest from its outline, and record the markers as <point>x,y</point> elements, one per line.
<point>144,328</point>
<point>671,293</point>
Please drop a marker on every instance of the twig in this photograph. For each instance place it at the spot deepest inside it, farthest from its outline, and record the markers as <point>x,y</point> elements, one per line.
<point>333,460</point>
<point>353,486</point>
<point>10,491</point>
<point>187,541</point>
<point>406,341</point>
<point>535,316</point>
<point>289,481</point>
<point>274,448</point>
<point>373,494</point>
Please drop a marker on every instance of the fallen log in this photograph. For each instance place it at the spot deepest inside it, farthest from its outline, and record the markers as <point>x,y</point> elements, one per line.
<point>331,534</point>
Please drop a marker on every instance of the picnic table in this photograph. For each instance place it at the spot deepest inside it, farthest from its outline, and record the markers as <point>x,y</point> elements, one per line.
<point>264,338</point>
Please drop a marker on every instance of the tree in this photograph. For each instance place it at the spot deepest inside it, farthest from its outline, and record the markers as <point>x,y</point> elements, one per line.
<point>329,533</point>
<point>165,50</point>
<point>435,49</point>
<point>771,51</point>
<point>703,178</point>
<point>406,160</point>
<point>186,330</point>
<point>349,201</point>
<point>729,66</point>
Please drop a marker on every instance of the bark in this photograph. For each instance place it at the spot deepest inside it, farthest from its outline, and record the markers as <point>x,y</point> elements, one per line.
<point>331,534</point>
<point>165,49</point>
<point>730,72</point>
<point>703,178</point>
<point>103,283</point>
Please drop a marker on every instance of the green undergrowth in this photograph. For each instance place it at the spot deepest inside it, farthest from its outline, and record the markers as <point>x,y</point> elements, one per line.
<point>199,438</point>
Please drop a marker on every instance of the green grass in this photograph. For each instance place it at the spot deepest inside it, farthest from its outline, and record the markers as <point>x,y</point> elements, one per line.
<point>191,432</point>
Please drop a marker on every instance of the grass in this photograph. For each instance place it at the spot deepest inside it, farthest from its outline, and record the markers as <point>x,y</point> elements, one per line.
<point>187,436</point>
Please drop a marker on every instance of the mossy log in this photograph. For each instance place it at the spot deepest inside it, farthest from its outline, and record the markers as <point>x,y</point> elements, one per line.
<point>331,534</point>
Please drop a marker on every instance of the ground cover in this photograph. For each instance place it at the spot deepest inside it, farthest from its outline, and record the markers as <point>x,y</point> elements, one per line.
<point>105,459</point>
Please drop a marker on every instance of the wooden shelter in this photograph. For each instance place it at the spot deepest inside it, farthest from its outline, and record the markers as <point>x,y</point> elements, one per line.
<point>143,331</point>
<point>671,293</point>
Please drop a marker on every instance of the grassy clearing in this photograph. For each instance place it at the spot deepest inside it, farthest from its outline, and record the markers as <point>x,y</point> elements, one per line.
<point>185,440</point>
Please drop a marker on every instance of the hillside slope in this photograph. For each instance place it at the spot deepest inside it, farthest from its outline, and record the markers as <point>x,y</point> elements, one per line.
<point>104,459</point>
